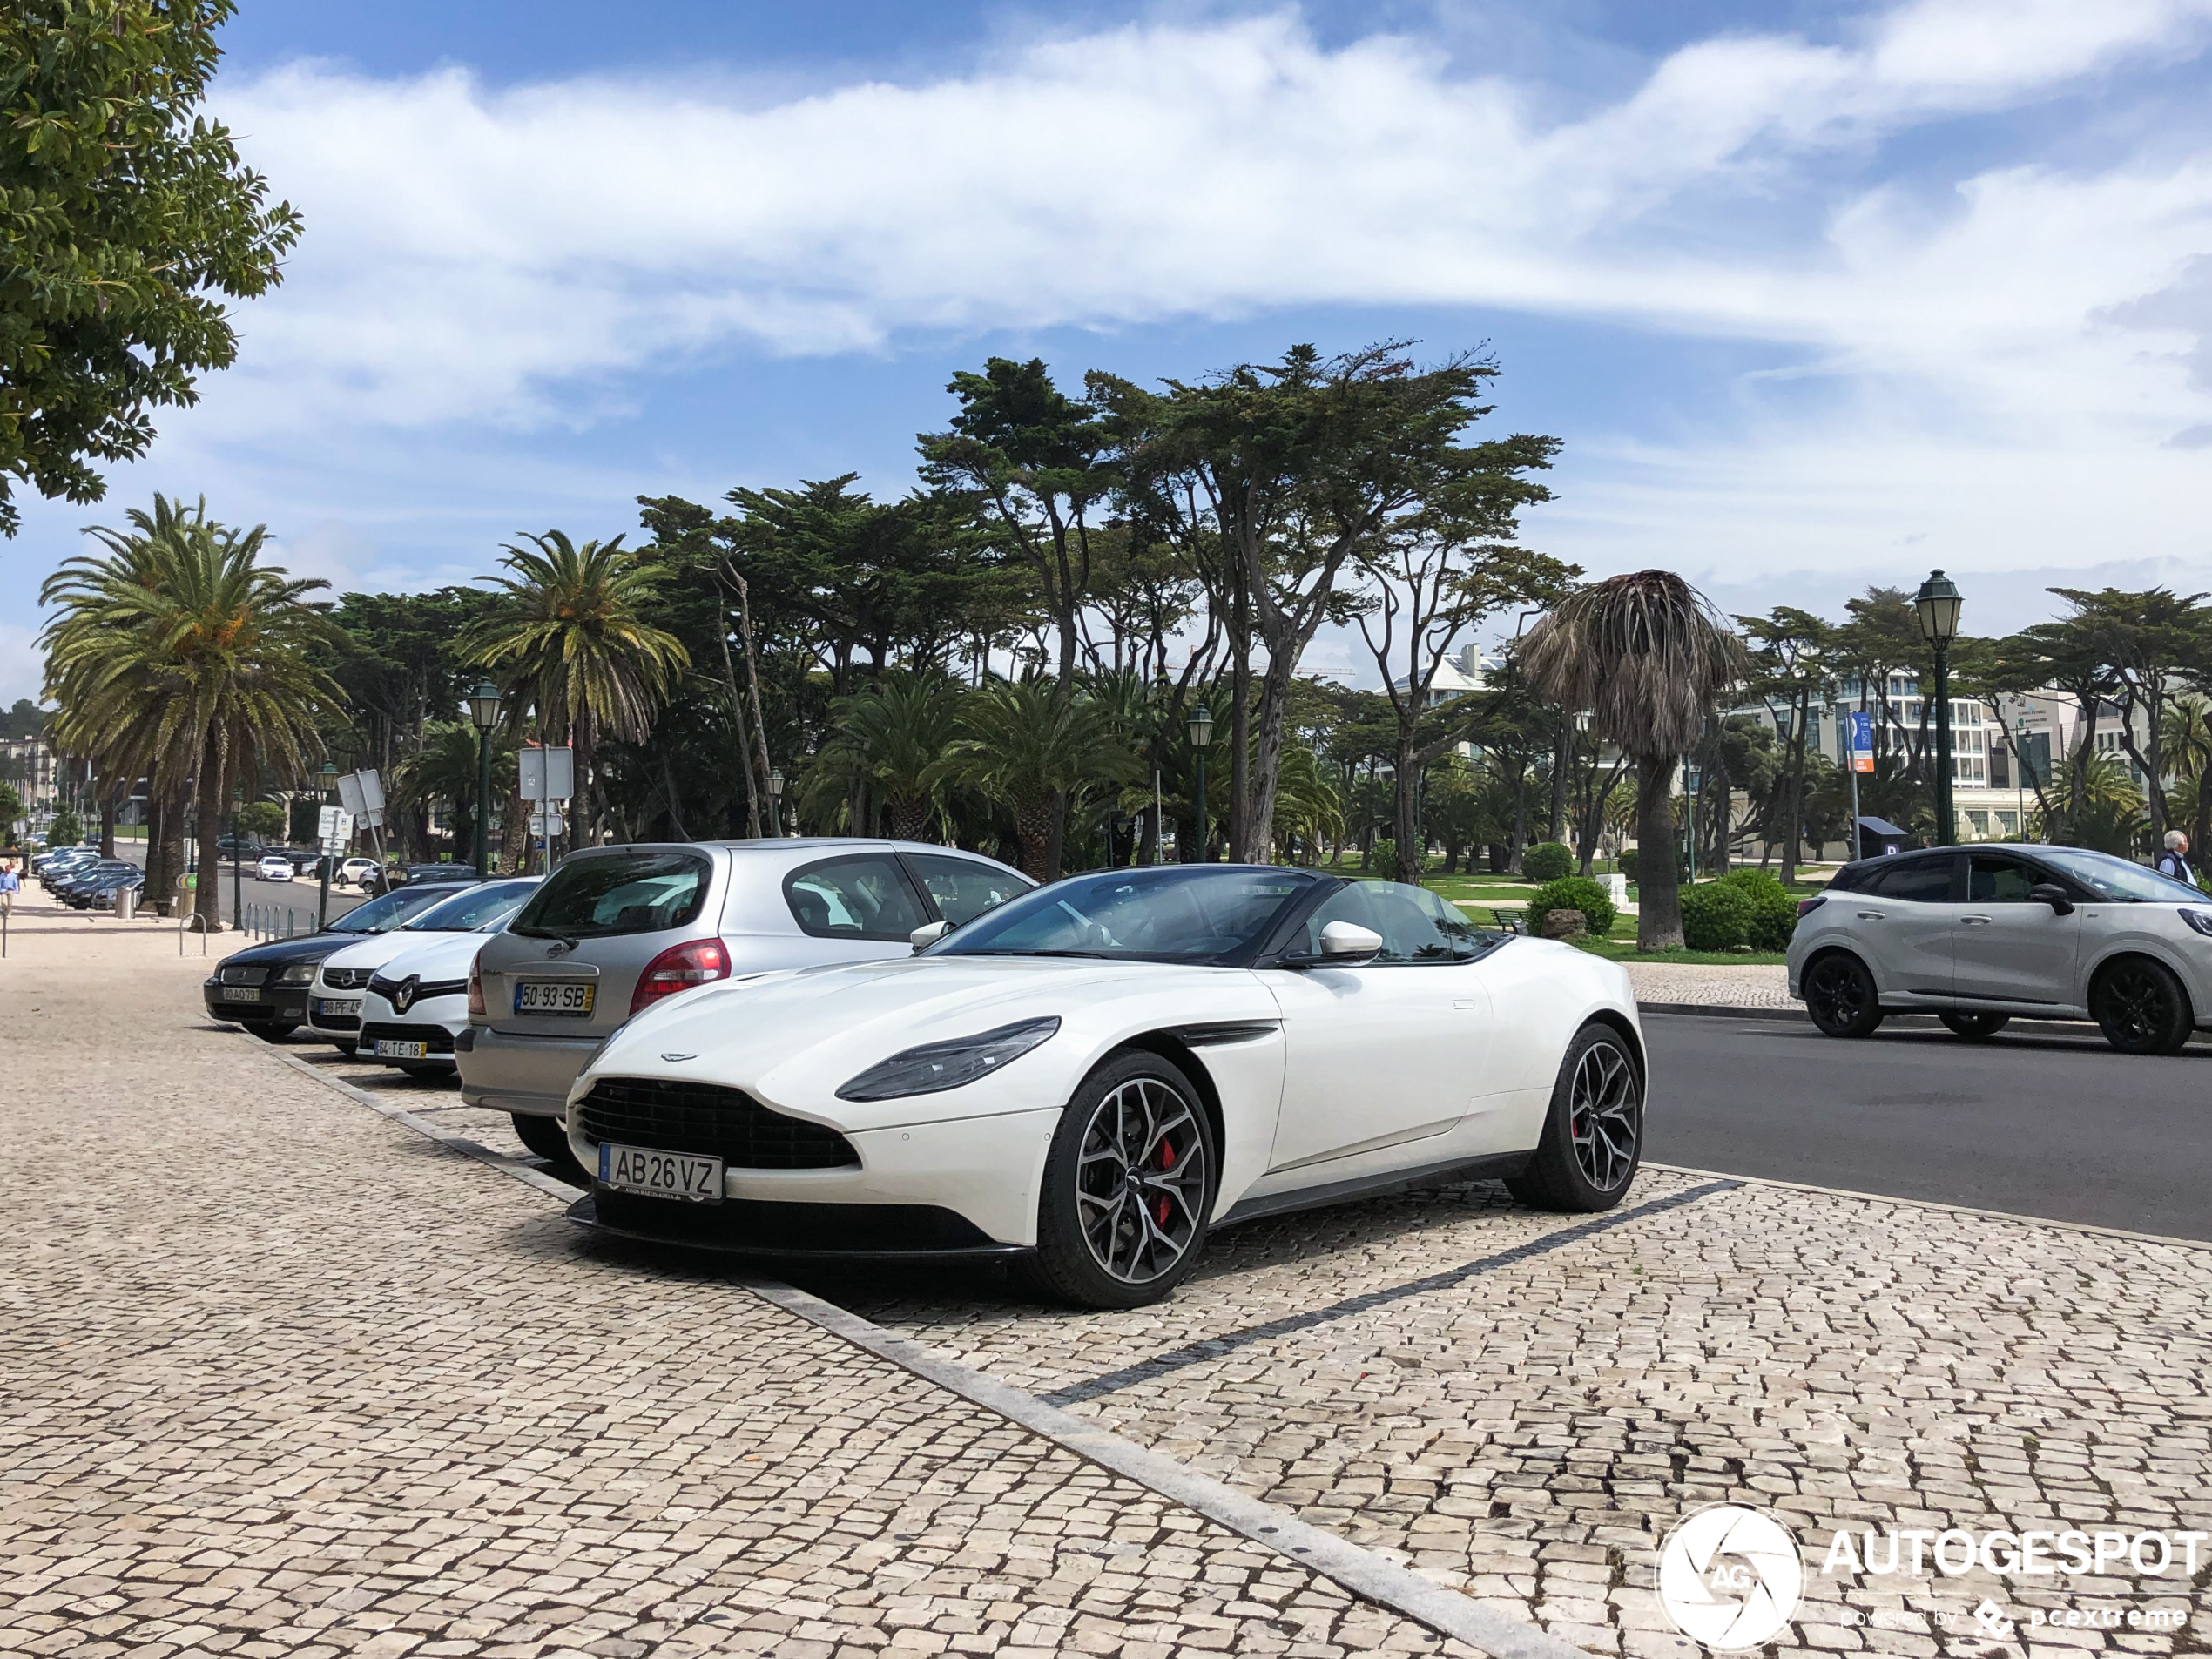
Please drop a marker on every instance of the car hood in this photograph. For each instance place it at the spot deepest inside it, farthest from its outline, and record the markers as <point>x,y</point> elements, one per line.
<point>793,1037</point>
<point>378,949</point>
<point>307,948</point>
<point>429,957</point>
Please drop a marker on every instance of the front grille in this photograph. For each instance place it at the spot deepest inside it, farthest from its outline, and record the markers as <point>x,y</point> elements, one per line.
<point>337,1021</point>
<point>383,987</point>
<point>711,1122</point>
<point>388,988</point>
<point>345,979</point>
<point>437,1036</point>
<point>246,974</point>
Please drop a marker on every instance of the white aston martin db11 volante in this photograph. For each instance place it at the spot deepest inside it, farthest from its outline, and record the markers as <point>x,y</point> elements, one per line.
<point>1092,1075</point>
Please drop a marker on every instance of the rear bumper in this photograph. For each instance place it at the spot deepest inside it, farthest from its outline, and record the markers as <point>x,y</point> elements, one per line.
<point>529,1075</point>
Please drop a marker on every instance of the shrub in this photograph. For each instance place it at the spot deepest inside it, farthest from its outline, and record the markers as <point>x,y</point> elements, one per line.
<point>1774,913</point>
<point>66,830</point>
<point>1547,861</point>
<point>1383,856</point>
<point>1627,863</point>
<point>1572,892</point>
<point>1715,916</point>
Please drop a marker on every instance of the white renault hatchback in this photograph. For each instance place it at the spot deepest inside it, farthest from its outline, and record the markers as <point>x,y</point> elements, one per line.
<point>1977,935</point>
<point>334,1000</point>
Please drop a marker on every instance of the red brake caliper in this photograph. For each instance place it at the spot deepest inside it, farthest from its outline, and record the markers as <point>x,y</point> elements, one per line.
<point>1167,1162</point>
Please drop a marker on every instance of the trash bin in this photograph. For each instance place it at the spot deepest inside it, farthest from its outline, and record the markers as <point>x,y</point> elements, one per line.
<point>126,903</point>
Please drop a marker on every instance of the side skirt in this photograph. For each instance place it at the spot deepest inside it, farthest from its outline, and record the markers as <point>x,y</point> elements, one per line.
<point>1490,1167</point>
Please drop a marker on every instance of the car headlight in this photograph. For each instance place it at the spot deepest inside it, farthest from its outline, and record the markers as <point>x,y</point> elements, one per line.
<point>297,973</point>
<point>2198,919</point>
<point>935,1067</point>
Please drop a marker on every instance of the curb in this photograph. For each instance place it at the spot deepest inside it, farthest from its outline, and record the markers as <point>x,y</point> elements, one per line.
<point>1925,1018</point>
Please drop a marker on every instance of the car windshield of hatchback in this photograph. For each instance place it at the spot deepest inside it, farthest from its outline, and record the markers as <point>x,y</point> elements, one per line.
<point>382,915</point>
<point>473,909</point>
<point>1171,914</point>
<point>2116,878</point>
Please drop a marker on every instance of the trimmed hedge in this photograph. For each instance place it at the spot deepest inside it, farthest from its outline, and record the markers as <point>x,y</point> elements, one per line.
<point>1627,863</point>
<point>1572,892</point>
<point>1716,915</point>
<point>1774,913</point>
<point>1547,861</point>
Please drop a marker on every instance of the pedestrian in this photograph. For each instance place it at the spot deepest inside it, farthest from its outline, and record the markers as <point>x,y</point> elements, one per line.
<point>2174,860</point>
<point>10,883</point>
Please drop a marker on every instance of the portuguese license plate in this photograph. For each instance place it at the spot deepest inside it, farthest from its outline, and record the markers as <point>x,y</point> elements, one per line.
<point>660,1175</point>
<point>241,994</point>
<point>328,1006</point>
<point>395,1048</point>
<point>557,996</point>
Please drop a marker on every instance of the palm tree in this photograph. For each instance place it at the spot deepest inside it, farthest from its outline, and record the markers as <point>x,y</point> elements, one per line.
<point>571,641</point>
<point>444,769</point>
<point>1022,744</point>
<point>1649,657</point>
<point>2188,744</point>
<point>890,740</point>
<point>185,656</point>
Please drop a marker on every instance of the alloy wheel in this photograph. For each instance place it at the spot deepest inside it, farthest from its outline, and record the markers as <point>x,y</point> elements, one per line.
<point>2134,1001</point>
<point>1140,1180</point>
<point>1834,992</point>
<point>1603,1116</point>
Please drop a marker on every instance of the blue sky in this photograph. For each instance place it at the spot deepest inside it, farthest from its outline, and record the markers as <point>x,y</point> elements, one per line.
<point>1815,296</point>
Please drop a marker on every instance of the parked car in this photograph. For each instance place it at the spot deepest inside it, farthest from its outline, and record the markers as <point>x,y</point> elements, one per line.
<point>238,846</point>
<point>398,876</point>
<point>617,929</point>
<point>80,877</point>
<point>273,866</point>
<point>1980,935</point>
<point>356,872</point>
<point>303,860</point>
<point>344,1002</point>
<point>264,988</point>
<point>98,892</point>
<point>1089,1079</point>
<point>54,865</point>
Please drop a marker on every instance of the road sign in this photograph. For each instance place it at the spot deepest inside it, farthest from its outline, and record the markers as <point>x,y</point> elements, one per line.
<point>1861,725</point>
<point>361,794</point>
<point>334,829</point>
<point>548,775</point>
<point>543,824</point>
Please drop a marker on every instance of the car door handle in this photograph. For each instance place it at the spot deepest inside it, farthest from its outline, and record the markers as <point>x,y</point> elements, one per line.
<point>1463,1003</point>
<point>1975,921</point>
<point>1872,915</point>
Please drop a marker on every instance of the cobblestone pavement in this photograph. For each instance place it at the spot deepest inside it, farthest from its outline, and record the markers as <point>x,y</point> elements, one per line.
<point>1755,985</point>
<point>1521,1405</point>
<point>284,1377</point>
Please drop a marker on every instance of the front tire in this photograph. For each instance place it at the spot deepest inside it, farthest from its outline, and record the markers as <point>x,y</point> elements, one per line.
<point>1975,1027</point>
<point>1840,996</point>
<point>1592,1140</point>
<point>271,1030</point>
<point>1128,1186</point>
<point>546,1137</point>
<point>2140,1006</point>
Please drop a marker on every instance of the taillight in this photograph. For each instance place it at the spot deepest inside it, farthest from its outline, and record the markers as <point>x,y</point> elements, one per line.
<point>476,992</point>
<point>679,969</point>
<point>1806,906</point>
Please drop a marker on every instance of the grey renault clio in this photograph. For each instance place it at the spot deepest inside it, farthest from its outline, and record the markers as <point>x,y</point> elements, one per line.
<point>615,929</point>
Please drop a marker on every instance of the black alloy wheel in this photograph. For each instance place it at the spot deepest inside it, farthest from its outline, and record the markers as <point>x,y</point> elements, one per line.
<point>1974,1027</point>
<point>1592,1140</point>
<point>2140,1006</point>
<point>1128,1184</point>
<point>1839,993</point>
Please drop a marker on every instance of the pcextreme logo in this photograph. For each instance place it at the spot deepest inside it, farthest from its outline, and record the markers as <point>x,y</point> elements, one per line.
<point>1729,1576</point>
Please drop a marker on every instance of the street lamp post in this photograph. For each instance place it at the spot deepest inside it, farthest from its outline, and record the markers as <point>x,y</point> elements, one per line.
<point>329,778</point>
<point>1201,737</point>
<point>483,709</point>
<point>776,796</point>
<point>1938,605</point>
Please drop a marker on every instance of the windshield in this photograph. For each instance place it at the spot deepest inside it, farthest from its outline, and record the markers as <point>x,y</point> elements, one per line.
<point>1172,913</point>
<point>473,909</point>
<point>648,891</point>
<point>382,915</point>
<point>2116,878</point>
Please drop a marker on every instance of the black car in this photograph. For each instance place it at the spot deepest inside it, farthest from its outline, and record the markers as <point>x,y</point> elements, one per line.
<point>67,886</point>
<point>99,893</point>
<point>264,988</point>
<point>383,881</point>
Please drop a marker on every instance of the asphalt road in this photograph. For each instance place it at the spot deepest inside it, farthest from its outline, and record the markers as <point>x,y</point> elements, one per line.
<point>265,902</point>
<point>2057,1127</point>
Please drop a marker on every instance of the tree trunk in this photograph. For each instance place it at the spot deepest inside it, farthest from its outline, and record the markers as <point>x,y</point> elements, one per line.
<point>1033,830</point>
<point>1658,888</point>
<point>1794,826</point>
<point>107,825</point>
<point>1563,762</point>
<point>1405,814</point>
<point>1242,812</point>
<point>208,898</point>
<point>1520,815</point>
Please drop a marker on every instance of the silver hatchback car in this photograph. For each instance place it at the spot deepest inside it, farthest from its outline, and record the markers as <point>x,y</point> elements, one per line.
<point>617,928</point>
<point>1978,935</point>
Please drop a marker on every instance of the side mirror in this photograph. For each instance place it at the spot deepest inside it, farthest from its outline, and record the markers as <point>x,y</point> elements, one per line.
<point>1345,943</point>
<point>928,933</point>
<point>2051,893</point>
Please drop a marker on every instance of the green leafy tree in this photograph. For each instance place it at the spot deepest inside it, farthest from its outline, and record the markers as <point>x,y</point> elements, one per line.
<point>892,740</point>
<point>1022,746</point>
<point>66,830</point>
<point>11,806</point>
<point>1647,654</point>
<point>1790,670</point>
<point>571,642</point>
<point>263,819</point>
<point>127,218</point>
